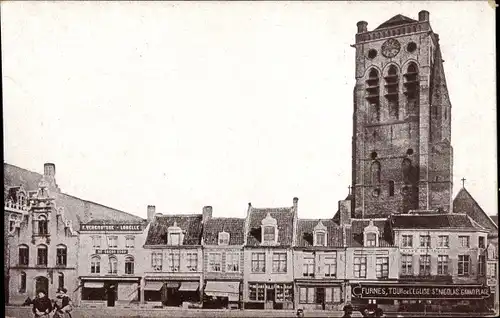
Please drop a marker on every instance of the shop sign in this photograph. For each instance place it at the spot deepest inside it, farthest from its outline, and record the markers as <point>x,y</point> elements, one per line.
<point>491,281</point>
<point>111,251</point>
<point>110,227</point>
<point>373,291</point>
<point>424,250</point>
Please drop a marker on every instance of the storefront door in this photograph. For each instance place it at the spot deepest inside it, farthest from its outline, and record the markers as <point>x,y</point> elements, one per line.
<point>270,297</point>
<point>111,294</point>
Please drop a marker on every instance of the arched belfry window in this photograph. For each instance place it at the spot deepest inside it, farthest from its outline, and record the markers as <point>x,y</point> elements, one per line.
<point>392,91</point>
<point>375,172</point>
<point>406,170</point>
<point>411,88</point>
<point>373,95</point>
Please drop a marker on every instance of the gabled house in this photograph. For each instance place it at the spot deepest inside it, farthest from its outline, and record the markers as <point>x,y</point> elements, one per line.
<point>223,240</point>
<point>173,274</point>
<point>268,271</point>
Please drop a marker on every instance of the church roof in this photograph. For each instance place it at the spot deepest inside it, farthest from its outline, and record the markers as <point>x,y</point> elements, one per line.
<point>396,20</point>
<point>465,203</point>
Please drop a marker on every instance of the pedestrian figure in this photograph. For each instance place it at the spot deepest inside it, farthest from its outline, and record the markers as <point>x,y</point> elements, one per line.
<point>300,312</point>
<point>42,305</point>
<point>347,311</point>
<point>63,305</point>
<point>379,312</point>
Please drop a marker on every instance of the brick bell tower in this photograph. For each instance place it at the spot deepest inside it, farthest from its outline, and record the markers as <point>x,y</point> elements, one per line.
<point>401,145</point>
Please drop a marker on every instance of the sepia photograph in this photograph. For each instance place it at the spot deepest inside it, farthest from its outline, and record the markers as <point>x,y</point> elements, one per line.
<point>249,159</point>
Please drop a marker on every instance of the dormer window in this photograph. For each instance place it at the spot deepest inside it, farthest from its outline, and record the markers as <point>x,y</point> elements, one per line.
<point>175,235</point>
<point>223,238</point>
<point>269,229</point>
<point>371,235</point>
<point>320,234</point>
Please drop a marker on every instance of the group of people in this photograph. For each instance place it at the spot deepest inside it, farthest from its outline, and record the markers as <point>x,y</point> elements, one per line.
<point>376,312</point>
<point>61,307</point>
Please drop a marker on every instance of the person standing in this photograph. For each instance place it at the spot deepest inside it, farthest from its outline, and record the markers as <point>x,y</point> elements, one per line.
<point>42,305</point>
<point>63,305</point>
<point>347,311</point>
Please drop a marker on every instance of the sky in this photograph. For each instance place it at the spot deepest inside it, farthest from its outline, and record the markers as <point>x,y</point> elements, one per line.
<point>182,105</point>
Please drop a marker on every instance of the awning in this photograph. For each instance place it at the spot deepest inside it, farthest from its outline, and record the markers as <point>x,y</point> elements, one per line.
<point>153,286</point>
<point>230,290</point>
<point>172,285</point>
<point>93,284</point>
<point>189,286</point>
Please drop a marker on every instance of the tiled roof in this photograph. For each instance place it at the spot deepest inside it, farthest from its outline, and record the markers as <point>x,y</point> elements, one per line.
<point>284,219</point>
<point>465,203</point>
<point>494,218</point>
<point>356,232</point>
<point>396,20</point>
<point>191,226</point>
<point>435,221</point>
<point>234,226</point>
<point>305,231</point>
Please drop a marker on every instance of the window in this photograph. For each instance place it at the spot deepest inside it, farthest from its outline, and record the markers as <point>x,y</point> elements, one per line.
<point>43,228</point>
<point>95,265</point>
<point>407,241</point>
<point>24,255</point>
<point>406,264</point>
<point>258,262</point>
<point>308,267</point>
<point>41,255</point>
<point>279,262</point>
<point>331,265</point>
<point>283,292</point>
<point>333,295</point>
<point>464,241</point>
<point>425,241</point>
<point>22,282</point>
<point>269,234</point>
<point>12,225</point>
<point>174,261</point>
<point>112,241</point>
<point>360,267</point>
<point>442,265</point>
<point>223,238</point>
<point>425,265</point>
<point>391,188</point>
<point>113,265</point>
<point>371,239</point>
<point>61,255</point>
<point>214,262</point>
<point>375,172</point>
<point>129,241</point>
<point>382,267</point>
<point>256,292</point>
<point>443,241</point>
<point>96,241</point>
<point>320,238</point>
<point>492,270</point>
<point>60,280</point>
<point>174,238</point>
<point>192,262</point>
<point>463,265</point>
<point>481,242</point>
<point>129,265</point>
<point>233,262</point>
<point>157,261</point>
<point>482,265</point>
<point>306,295</point>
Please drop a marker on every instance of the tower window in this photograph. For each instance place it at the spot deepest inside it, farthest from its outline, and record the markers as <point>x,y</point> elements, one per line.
<point>409,152</point>
<point>411,47</point>
<point>375,171</point>
<point>372,53</point>
<point>391,188</point>
<point>373,155</point>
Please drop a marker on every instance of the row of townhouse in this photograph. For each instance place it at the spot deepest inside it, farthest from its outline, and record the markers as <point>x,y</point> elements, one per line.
<point>271,259</point>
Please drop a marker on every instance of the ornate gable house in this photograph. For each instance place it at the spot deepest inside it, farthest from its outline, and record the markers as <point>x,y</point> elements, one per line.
<point>223,240</point>
<point>269,237</point>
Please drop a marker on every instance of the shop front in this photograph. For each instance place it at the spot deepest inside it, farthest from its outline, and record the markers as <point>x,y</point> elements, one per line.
<point>269,296</point>
<point>99,292</point>
<point>222,294</point>
<point>420,297</point>
<point>160,292</point>
<point>319,295</point>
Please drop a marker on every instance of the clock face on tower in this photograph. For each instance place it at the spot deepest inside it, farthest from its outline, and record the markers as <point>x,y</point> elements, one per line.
<point>391,48</point>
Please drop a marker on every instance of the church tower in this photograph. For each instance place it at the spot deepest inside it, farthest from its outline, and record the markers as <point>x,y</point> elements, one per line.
<point>401,146</point>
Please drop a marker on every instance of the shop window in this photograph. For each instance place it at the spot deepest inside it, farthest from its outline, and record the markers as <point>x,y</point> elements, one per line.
<point>256,292</point>
<point>309,265</point>
<point>330,267</point>
<point>24,255</point>
<point>223,238</point>
<point>463,265</point>
<point>279,263</point>
<point>359,267</point>
<point>61,255</point>
<point>192,262</point>
<point>95,265</point>
<point>22,282</point>
<point>60,280</point>
<point>174,261</point>
<point>113,265</point>
<point>129,265</point>
<point>306,295</point>
<point>215,262</point>
<point>382,267</point>
<point>94,293</point>
<point>41,255</point>
<point>442,268</point>
<point>258,262</point>
<point>233,262</point>
<point>43,227</point>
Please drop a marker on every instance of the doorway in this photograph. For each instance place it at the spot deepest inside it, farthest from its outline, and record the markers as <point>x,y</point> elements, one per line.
<point>42,283</point>
<point>111,294</point>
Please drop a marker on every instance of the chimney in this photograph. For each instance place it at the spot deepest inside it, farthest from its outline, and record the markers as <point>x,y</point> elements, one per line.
<point>295,204</point>
<point>345,212</point>
<point>151,212</point>
<point>295,220</point>
<point>423,15</point>
<point>362,26</point>
<point>207,214</point>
